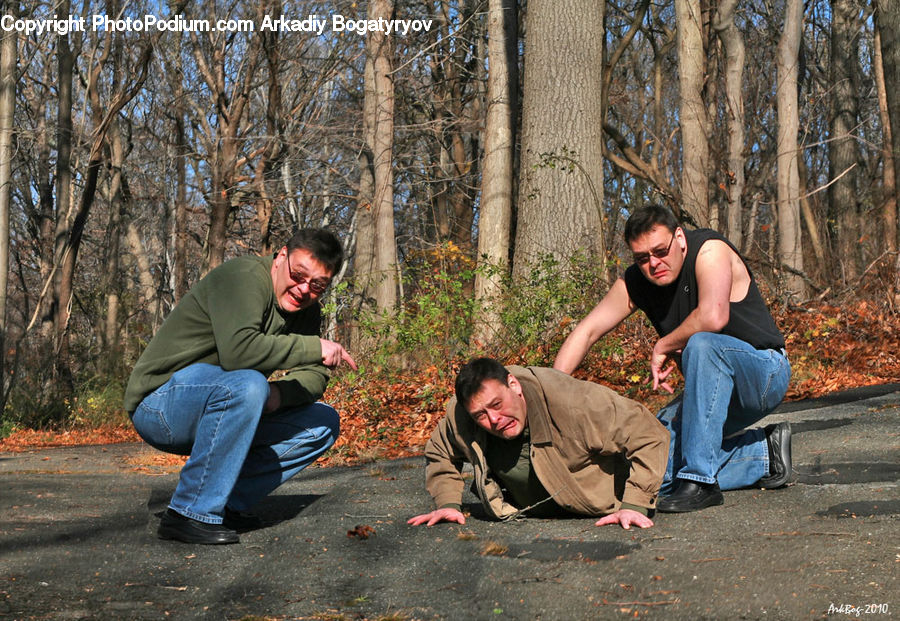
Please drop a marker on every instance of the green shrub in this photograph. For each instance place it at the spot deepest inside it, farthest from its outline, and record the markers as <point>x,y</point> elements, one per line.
<point>537,310</point>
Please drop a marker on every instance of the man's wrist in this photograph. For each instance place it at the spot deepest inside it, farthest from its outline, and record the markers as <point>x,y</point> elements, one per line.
<point>631,507</point>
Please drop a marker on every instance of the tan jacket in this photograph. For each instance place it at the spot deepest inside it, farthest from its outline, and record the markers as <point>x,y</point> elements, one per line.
<point>579,433</point>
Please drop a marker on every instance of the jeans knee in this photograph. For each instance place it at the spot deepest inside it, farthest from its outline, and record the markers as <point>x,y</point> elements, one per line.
<point>245,387</point>
<point>701,348</point>
<point>329,421</point>
<point>700,342</point>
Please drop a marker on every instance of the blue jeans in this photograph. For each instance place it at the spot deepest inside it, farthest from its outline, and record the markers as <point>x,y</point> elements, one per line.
<point>728,386</point>
<point>238,455</point>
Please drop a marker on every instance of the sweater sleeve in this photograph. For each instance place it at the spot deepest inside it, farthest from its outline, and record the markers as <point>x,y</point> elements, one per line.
<point>303,385</point>
<point>237,302</point>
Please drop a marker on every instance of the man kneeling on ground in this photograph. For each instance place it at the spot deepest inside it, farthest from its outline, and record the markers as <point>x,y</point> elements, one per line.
<point>544,444</point>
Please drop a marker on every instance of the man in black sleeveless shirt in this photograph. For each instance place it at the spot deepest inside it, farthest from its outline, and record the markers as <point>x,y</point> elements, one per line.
<point>703,302</point>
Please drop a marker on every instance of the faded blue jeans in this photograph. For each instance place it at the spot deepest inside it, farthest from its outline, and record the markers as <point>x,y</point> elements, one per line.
<point>238,455</point>
<point>728,386</point>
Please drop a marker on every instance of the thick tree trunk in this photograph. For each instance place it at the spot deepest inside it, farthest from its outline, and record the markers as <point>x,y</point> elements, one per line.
<point>693,117</point>
<point>561,185</point>
<point>844,205</point>
<point>790,251</point>
<point>497,171</point>
<point>888,19</point>
<point>889,26</point>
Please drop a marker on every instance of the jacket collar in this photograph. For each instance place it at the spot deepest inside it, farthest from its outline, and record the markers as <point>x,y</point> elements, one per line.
<point>535,406</point>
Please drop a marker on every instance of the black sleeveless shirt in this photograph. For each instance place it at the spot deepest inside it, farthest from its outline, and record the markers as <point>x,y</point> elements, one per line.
<point>669,305</point>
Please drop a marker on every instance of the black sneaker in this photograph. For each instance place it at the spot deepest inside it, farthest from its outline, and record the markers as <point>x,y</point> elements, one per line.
<point>690,496</point>
<point>175,526</point>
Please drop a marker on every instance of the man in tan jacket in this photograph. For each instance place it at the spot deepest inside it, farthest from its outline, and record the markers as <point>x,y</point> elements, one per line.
<point>544,444</point>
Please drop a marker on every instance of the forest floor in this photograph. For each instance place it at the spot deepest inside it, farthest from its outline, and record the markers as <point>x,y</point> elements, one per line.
<point>390,414</point>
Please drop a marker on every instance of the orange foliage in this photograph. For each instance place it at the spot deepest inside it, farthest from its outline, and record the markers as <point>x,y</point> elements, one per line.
<point>830,349</point>
<point>26,439</point>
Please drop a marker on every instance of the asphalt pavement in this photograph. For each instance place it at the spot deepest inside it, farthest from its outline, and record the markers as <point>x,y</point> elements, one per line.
<point>78,541</point>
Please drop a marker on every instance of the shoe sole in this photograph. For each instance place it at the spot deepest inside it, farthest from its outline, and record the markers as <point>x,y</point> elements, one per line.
<point>171,533</point>
<point>167,536</point>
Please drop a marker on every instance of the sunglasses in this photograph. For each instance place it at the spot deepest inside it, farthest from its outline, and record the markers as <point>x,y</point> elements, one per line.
<point>316,286</point>
<point>642,258</point>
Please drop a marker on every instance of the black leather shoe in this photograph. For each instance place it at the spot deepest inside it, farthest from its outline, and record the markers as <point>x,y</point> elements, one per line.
<point>175,526</point>
<point>690,496</point>
<point>241,521</point>
<point>778,437</point>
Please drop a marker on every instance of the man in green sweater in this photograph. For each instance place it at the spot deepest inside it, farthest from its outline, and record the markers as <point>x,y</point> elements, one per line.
<point>544,444</point>
<point>201,386</point>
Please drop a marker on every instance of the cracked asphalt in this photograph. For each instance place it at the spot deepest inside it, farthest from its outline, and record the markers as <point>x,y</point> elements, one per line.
<point>77,541</point>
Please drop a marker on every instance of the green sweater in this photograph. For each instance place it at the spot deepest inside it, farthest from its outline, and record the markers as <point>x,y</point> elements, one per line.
<point>231,319</point>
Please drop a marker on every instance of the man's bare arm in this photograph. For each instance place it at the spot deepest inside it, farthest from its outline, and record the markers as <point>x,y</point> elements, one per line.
<point>612,310</point>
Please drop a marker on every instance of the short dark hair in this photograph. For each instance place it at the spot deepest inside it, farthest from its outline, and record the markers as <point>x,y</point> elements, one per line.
<point>473,376</point>
<point>643,219</point>
<point>323,244</point>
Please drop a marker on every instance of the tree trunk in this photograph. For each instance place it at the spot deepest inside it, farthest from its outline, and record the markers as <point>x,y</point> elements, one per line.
<point>694,122</point>
<point>733,42</point>
<point>8,55</point>
<point>790,251</point>
<point>561,186</point>
<point>888,19</point>
<point>180,219</point>
<point>843,150</point>
<point>110,329</point>
<point>889,201</point>
<point>272,147</point>
<point>65,64</point>
<point>497,170</point>
<point>379,47</point>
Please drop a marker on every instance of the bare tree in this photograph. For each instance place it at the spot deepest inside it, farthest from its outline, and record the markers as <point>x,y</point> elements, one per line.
<point>497,171</point>
<point>790,250</point>
<point>227,65</point>
<point>733,42</point>
<point>376,231</point>
<point>890,203</point>
<point>844,154</point>
<point>693,115</point>
<point>8,58</point>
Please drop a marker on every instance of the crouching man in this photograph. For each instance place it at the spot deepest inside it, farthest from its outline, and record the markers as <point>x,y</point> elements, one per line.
<point>200,388</point>
<point>544,444</point>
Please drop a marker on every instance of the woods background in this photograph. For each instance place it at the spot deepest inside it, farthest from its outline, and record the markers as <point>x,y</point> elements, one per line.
<point>478,174</point>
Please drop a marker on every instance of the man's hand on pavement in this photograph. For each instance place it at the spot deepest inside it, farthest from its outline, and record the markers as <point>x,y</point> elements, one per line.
<point>438,515</point>
<point>627,518</point>
<point>333,353</point>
